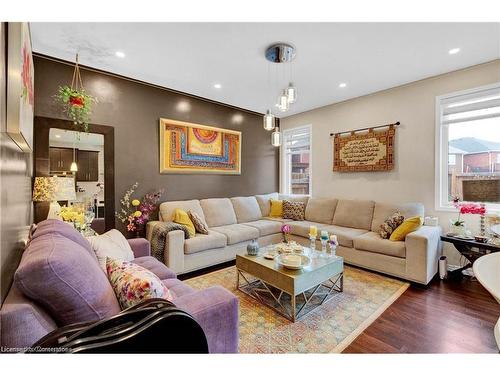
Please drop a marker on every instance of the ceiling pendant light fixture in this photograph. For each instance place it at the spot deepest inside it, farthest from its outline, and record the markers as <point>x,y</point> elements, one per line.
<point>279,54</point>
<point>269,120</point>
<point>291,93</point>
<point>276,137</point>
<point>283,104</point>
<point>74,167</point>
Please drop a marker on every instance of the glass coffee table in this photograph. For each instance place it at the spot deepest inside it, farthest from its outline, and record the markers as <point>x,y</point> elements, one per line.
<point>291,293</point>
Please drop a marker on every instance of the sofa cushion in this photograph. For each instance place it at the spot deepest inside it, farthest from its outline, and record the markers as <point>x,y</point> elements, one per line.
<point>383,210</point>
<point>199,224</point>
<point>167,209</point>
<point>111,244</point>
<point>177,288</point>
<point>266,227</point>
<point>301,228</point>
<point>66,280</point>
<point>345,235</point>
<point>354,214</point>
<point>276,209</point>
<point>155,266</point>
<point>246,209</point>
<point>133,284</point>
<point>264,201</point>
<point>181,217</point>
<point>320,210</point>
<point>294,210</point>
<point>373,243</point>
<point>65,229</point>
<point>201,242</point>
<point>218,212</point>
<point>237,233</point>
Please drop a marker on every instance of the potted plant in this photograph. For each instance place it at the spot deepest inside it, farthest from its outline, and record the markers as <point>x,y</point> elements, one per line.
<point>457,227</point>
<point>76,103</point>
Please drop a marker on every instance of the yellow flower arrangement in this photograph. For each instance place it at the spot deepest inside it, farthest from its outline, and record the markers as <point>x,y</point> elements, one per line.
<point>137,213</point>
<point>73,214</point>
<point>136,202</point>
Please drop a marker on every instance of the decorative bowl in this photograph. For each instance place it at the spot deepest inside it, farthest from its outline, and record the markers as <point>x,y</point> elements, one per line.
<point>284,261</point>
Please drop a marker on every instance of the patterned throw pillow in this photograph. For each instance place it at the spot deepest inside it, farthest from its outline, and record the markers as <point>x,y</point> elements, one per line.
<point>391,223</point>
<point>199,224</point>
<point>133,284</point>
<point>294,210</point>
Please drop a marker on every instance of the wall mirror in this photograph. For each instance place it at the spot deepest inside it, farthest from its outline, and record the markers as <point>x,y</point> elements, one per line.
<point>83,164</point>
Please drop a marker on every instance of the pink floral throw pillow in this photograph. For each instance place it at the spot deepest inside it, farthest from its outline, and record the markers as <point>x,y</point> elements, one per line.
<point>133,284</point>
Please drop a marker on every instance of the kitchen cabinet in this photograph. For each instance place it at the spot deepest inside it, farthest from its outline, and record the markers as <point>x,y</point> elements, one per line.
<point>60,159</point>
<point>88,166</point>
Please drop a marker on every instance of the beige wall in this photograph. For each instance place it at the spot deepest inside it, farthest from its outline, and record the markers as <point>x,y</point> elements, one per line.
<point>414,106</point>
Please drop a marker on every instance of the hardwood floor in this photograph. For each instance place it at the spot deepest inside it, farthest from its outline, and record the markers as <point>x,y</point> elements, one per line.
<point>454,316</point>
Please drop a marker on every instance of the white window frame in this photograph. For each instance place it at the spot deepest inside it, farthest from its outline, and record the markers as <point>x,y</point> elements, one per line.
<point>441,153</point>
<point>285,180</point>
<point>454,157</point>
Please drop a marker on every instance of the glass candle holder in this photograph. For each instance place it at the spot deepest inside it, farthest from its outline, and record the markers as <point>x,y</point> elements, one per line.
<point>324,241</point>
<point>312,246</point>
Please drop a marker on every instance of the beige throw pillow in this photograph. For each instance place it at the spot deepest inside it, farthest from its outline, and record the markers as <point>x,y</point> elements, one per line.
<point>199,224</point>
<point>111,244</point>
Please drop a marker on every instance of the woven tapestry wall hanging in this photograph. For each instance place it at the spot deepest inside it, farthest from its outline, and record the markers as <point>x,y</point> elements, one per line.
<point>194,148</point>
<point>364,152</point>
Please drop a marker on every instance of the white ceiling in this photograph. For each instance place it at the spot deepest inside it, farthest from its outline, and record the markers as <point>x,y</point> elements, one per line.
<point>192,57</point>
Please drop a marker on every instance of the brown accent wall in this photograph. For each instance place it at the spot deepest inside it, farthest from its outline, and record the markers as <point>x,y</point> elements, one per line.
<point>15,189</point>
<point>134,109</point>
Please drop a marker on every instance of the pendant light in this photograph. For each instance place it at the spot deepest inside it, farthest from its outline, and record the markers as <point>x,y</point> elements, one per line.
<point>276,137</point>
<point>283,104</point>
<point>268,121</point>
<point>291,93</point>
<point>74,168</point>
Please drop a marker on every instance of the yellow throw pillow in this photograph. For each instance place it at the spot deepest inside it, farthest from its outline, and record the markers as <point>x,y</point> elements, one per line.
<point>276,208</point>
<point>408,226</point>
<point>181,217</point>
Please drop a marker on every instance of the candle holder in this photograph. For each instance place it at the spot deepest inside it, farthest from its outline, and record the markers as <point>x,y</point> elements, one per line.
<point>323,247</point>
<point>333,250</point>
<point>312,246</point>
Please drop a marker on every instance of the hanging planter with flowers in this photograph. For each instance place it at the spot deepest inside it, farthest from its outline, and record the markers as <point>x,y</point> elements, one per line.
<point>77,104</point>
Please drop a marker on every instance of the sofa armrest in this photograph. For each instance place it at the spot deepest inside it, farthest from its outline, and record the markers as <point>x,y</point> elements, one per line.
<point>216,310</point>
<point>174,247</point>
<point>423,249</point>
<point>140,247</point>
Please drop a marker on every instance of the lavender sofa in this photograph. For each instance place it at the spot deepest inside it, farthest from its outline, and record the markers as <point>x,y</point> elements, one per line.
<point>59,282</point>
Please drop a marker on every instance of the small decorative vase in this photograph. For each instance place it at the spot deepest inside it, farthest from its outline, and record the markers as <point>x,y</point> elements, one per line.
<point>333,250</point>
<point>323,247</point>
<point>285,237</point>
<point>253,248</point>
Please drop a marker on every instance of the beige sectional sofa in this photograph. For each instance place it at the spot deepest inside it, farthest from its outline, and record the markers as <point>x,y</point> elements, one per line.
<point>234,222</point>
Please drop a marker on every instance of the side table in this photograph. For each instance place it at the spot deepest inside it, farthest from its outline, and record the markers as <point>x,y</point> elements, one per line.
<point>470,249</point>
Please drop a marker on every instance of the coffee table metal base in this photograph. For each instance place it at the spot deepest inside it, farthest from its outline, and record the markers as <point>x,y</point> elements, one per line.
<point>292,307</point>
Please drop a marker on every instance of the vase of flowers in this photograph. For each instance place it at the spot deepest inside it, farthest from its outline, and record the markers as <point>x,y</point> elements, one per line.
<point>285,230</point>
<point>458,227</point>
<point>136,213</point>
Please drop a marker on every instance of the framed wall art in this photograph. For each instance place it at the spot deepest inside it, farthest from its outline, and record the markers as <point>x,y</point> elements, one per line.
<point>194,148</point>
<point>20,94</point>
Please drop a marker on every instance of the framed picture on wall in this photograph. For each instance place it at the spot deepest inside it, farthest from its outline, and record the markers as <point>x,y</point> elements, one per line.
<point>194,148</point>
<point>20,94</point>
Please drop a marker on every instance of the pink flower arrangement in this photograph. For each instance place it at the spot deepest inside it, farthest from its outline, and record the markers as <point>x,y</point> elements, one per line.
<point>467,208</point>
<point>285,229</point>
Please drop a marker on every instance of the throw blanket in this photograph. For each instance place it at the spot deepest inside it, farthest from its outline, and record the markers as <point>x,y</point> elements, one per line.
<point>159,235</point>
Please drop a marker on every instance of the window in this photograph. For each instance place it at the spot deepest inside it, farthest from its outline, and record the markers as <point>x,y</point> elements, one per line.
<point>296,161</point>
<point>468,147</point>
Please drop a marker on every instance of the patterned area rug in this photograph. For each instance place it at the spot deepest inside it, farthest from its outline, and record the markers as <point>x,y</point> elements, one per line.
<point>329,328</point>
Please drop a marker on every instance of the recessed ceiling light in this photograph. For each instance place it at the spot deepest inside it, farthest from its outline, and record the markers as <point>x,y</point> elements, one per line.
<point>217,85</point>
<point>120,54</point>
<point>453,51</point>
<point>342,85</point>
<point>58,136</point>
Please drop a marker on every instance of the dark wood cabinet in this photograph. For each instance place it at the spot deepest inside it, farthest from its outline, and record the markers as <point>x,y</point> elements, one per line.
<point>88,166</point>
<point>60,159</point>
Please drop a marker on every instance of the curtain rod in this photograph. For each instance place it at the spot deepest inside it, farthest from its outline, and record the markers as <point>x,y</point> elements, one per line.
<point>361,129</point>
